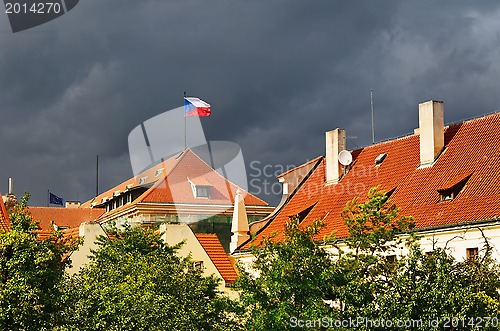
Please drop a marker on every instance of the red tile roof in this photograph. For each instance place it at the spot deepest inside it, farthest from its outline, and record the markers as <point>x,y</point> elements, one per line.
<point>214,249</point>
<point>71,233</point>
<point>66,217</point>
<point>4,217</point>
<point>175,187</point>
<point>168,182</point>
<point>472,149</point>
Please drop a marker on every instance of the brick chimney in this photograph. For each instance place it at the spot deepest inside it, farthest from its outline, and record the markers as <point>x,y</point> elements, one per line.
<point>431,131</point>
<point>335,142</point>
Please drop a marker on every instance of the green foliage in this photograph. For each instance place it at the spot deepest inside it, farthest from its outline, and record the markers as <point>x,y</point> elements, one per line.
<point>296,277</point>
<point>137,282</point>
<point>416,286</point>
<point>30,271</point>
<point>294,280</point>
<point>374,224</point>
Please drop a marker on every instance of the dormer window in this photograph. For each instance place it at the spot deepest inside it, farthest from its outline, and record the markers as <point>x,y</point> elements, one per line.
<point>201,187</point>
<point>303,214</point>
<point>452,192</point>
<point>159,172</point>
<point>143,180</point>
<point>203,191</point>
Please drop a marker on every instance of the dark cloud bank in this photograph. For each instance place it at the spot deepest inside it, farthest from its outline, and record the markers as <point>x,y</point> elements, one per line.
<point>277,73</point>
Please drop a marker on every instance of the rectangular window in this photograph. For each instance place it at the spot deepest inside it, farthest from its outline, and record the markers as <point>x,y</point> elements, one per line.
<point>198,265</point>
<point>471,253</point>
<point>202,191</point>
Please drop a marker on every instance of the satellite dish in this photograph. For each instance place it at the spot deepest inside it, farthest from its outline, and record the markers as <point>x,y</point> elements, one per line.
<point>345,158</point>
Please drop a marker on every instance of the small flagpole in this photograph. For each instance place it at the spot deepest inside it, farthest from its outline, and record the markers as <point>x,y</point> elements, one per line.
<point>183,102</point>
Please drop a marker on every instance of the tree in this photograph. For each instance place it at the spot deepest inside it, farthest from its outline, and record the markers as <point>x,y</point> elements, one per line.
<point>365,271</point>
<point>30,271</point>
<point>290,279</point>
<point>296,276</point>
<point>415,287</point>
<point>374,225</point>
<point>136,282</point>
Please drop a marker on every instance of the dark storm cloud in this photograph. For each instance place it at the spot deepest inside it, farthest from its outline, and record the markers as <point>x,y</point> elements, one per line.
<point>277,73</point>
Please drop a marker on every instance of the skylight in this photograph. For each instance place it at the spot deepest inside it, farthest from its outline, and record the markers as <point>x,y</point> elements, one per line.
<point>379,159</point>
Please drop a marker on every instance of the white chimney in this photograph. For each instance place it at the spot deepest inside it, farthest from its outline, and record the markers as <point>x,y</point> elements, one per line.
<point>335,142</point>
<point>431,131</point>
<point>10,185</point>
<point>239,226</point>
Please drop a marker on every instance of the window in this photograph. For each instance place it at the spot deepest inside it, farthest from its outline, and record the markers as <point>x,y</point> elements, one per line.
<point>202,191</point>
<point>143,180</point>
<point>303,214</point>
<point>159,172</point>
<point>129,197</point>
<point>451,193</point>
<point>198,265</point>
<point>389,193</point>
<point>471,253</point>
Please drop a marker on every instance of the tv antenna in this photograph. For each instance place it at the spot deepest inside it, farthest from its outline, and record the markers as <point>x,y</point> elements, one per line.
<point>373,126</point>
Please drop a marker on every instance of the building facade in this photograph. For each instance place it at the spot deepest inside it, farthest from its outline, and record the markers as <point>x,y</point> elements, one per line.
<point>182,189</point>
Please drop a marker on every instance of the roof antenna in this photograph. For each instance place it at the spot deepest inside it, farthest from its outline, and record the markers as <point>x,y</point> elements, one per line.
<point>373,127</point>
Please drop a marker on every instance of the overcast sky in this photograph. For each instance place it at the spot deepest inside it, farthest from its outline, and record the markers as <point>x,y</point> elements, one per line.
<point>278,74</point>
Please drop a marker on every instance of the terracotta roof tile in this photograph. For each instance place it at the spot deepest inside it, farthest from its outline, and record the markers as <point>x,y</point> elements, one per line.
<point>472,149</point>
<point>63,217</point>
<point>173,186</point>
<point>215,251</point>
<point>71,233</point>
<point>4,217</point>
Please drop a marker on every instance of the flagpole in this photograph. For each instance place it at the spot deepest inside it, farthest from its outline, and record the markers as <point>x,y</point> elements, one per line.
<point>184,102</point>
<point>48,197</point>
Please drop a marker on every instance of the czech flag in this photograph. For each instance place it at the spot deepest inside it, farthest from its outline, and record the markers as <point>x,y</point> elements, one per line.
<point>196,107</point>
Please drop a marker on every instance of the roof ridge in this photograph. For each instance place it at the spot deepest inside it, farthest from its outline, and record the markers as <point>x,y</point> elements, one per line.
<point>299,166</point>
<point>446,125</point>
<point>231,198</point>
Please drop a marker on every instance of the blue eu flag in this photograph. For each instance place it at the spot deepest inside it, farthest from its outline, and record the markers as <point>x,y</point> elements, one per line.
<point>55,200</point>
